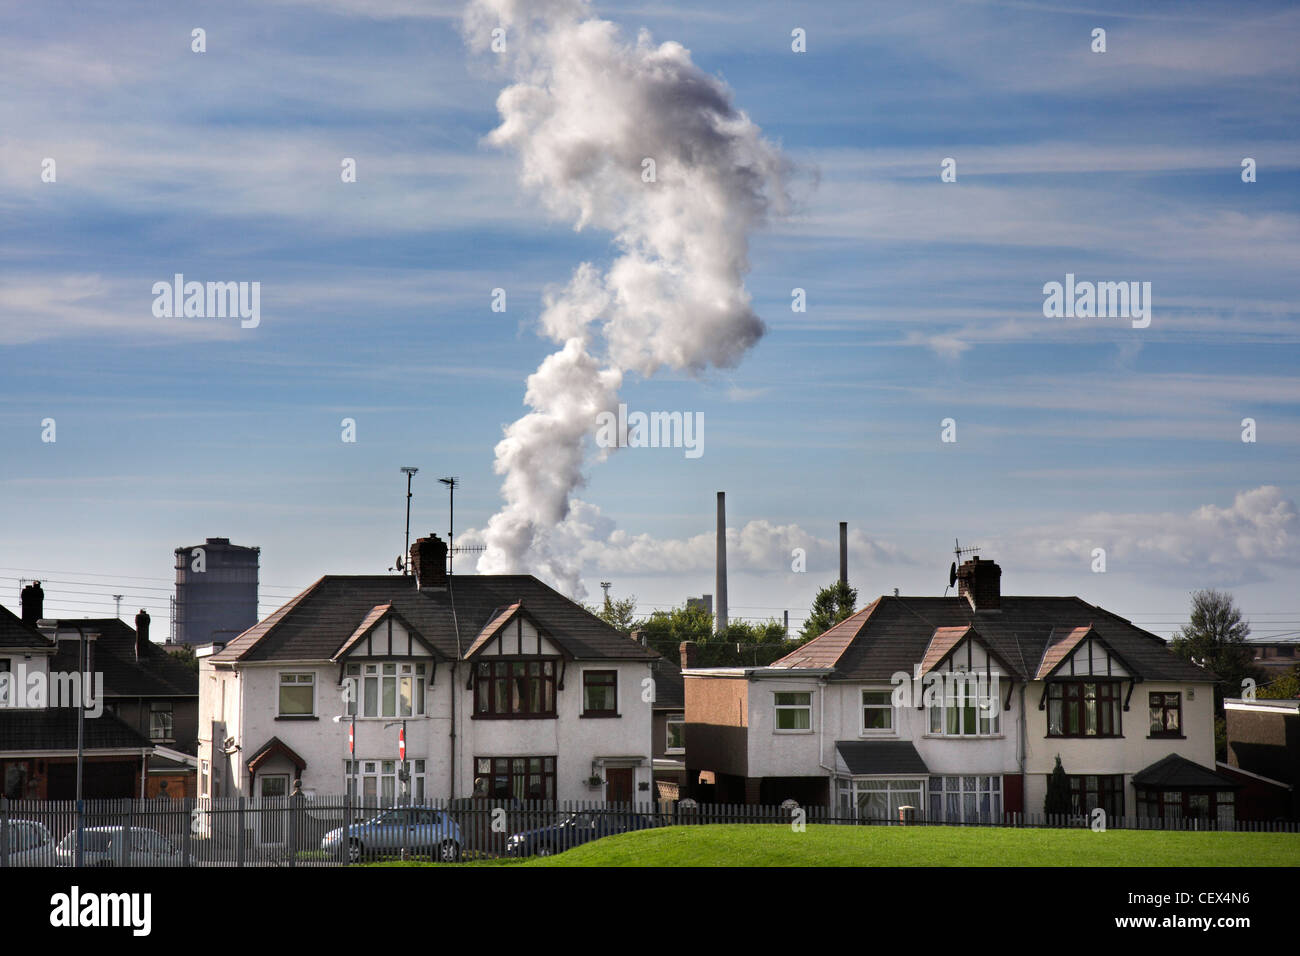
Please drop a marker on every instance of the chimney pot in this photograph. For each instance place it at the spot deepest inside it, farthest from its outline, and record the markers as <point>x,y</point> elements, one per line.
<point>429,562</point>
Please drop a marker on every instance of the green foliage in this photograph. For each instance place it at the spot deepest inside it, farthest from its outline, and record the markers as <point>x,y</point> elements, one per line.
<point>1215,638</point>
<point>665,630</point>
<point>833,604</point>
<point>620,615</point>
<point>185,654</point>
<point>1058,800</point>
<point>1286,687</point>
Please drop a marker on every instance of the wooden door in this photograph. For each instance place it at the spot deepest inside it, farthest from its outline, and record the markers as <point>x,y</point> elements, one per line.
<point>619,784</point>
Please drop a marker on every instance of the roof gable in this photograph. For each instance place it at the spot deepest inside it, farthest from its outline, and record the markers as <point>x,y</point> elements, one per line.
<point>398,639</point>
<point>1081,652</point>
<point>514,631</point>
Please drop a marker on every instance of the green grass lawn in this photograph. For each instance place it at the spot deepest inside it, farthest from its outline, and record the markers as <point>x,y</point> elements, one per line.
<point>778,845</point>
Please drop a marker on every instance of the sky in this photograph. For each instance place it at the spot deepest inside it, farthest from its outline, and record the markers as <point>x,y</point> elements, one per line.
<point>924,302</point>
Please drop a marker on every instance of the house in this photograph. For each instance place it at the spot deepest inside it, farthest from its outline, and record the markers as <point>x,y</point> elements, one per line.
<point>669,735</point>
<point>42,691</point>
<point>146,688</point>
<point>958,707</point>
<point>1264,752</point>
<point>1276,657</point>
<point>497,684</point>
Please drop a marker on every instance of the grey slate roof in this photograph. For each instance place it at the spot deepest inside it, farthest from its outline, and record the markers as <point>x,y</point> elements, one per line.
<point>670,688</point>
<point>316,623</point>
<point>1176,773</point>
<point>55,728</point>
<point>881,756</point>
<point>14,633</point>
<point>893,633</point>
<point>156,674</point>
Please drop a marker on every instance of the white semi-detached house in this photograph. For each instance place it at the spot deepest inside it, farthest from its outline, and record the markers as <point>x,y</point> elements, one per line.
<point>505,686</point>
<point>1132,723</point>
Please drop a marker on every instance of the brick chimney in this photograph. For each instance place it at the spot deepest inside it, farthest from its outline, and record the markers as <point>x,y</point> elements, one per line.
<point>141,633</point>
<point>33,599</point>
<point>980,582</point>
<point>429,562</point>
<point>690,653</point>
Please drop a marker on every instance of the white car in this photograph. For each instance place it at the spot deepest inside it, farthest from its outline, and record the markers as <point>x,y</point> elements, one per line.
<point>103,846</point>
<point>30,844</point>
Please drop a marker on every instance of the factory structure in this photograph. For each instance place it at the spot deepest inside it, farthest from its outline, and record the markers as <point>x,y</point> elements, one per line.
<point>216,592</point>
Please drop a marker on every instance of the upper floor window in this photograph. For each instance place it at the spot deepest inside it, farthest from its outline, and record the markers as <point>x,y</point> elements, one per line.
<point>600,693</point>
<point>1166,714</point>
<point>793,710</point>
<point>160,720</point>
<point>514,688</point>
<point>1083,709</point>
<point>877,711</point>
<point>676,743</point>
<point>964,714</point>
<point>386,689</point>
<point>297,695</point>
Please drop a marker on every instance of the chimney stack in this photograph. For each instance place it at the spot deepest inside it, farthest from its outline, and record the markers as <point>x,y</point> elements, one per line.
<point>141,633</point>
<point>844,552</point>
<point>689,653</point>
<point>720,585</point>
<point>429,562</point>
<point>980,583</point>
<point>33,599</point>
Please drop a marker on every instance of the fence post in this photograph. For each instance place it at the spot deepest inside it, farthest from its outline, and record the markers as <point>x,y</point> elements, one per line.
<point>78,855</point>
<point>4,831</point>
<point>187,821</point>
<point>291,837</point>
<point>128,846</point>
<point>344,849</point>
<point>239,835</point>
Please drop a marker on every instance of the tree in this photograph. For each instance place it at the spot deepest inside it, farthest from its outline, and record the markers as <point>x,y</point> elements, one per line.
<point>770,631</point>
<point>1286,687</point>
<point>620,615</point>
<point>1058,801</point>
<point>833,604</point>
<point>185,654</point>
<point>665,630</point>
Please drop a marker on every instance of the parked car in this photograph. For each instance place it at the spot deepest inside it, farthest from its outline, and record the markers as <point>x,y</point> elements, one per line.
<point>105,846</point>
<point>30,844</point>
<point>574,830</point>
<point>422,830</point>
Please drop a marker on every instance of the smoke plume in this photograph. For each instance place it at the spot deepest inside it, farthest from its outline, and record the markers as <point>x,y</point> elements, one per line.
<point>591,115</point>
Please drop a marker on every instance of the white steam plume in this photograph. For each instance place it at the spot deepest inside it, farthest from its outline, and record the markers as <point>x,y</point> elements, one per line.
<point>585,111</point>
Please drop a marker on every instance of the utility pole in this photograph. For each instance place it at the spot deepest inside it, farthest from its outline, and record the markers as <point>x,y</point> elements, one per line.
<point>406,553</point>
<point>606,585</point>
<point>451,484</point>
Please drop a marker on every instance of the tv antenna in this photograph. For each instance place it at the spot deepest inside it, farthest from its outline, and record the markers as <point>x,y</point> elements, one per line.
<point>957,551</point>
<point>452,550</point>
<point>402,558</point>
<point>605,586</point>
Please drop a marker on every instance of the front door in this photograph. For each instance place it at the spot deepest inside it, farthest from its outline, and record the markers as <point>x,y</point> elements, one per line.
<point>272,789</point>
<point>619,782</point>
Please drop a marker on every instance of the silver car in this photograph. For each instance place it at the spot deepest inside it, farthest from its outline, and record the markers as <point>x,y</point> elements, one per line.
<point>30,844</point>
<point>106,846</point>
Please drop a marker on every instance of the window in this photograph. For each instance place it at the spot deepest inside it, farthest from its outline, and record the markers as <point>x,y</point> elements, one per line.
<point>514,688</point>
<point>877,711</point>
<point>523,778</point>
<point>965,800</point>
<point>381,783</point>
<point>1098,790</point>
<point>1166,714</point>
<point>600,693</point>
<point>1083,709</point>
<point>297,695</point>
<point>6,681</point>
<point>203,778</point>
<point>962,714</point>
<point>793,711</point>
<point>160,720</point>
<point>878,800</point>
<point>676,743</point>
<point>1219,806</point>
<point>387,689</point>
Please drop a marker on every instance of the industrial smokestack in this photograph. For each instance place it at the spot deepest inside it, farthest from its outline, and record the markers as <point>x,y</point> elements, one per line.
<point>844,552</point>
<point>720,586</point>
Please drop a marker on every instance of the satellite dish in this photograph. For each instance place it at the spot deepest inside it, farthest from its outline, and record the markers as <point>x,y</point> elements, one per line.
<point>952,574</point>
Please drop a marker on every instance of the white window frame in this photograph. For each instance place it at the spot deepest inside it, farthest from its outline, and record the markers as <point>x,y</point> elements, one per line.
<point>383,770</point>
<point>961,788</point>
<point>778,707</point>
<point>888,707</point>
<point>364,673</point>
<point>170,721</point>
<point>950,702</point>
<point>281,683</point>
<point>851,787</point>
<point>677,717</point>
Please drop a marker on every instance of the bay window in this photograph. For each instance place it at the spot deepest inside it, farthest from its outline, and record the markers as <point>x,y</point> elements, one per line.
<point>387,689</point>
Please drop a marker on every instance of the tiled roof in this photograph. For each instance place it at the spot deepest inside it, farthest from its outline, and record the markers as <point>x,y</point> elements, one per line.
<point>316,623</point>
<point>880,756</point>
<point>894,633</point>
<point>14,633</point>
<point>156,674</point>
<point>55,728</point>
<point>1059,646</point>
<point>670,688</point>
<point>1175,772</point>
<point>490,629</point>
<point>942,642</point>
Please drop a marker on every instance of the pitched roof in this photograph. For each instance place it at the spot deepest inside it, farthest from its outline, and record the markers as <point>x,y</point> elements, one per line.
<point>491,627</point>
<point>275,747</point>
<point>14,633</point>
<point>156,673</point>
<point>317,622</point>
<point>1176,772</point>
<point>55,728</point>
<point>670,687</point>
<point>894,633</point>
<point>880,756</point>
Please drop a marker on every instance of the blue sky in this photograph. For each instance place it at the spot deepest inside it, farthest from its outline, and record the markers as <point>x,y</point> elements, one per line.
<point>924,301</point>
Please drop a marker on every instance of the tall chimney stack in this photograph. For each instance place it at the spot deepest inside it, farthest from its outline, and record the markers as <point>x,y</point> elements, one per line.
<point>141,633</point>
<point>429,562</point>
<point>720,585</point>
<point>844,552</point>
<point>33,599</point>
